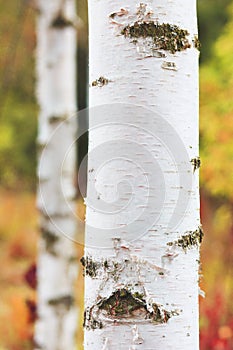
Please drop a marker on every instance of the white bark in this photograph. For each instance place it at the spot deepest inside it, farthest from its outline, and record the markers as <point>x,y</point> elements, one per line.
<point>56,92</point>
<point>142,192</point>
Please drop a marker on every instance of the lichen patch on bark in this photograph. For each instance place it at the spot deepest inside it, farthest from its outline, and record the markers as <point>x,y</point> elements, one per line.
<point>189,240</point>
<point>112,268</point>
<point>90,267</point>
<point>150,36</point>
<point>100,82</point>
<point>165,36</point>
<point>196,162</point>
<point>196,43</point>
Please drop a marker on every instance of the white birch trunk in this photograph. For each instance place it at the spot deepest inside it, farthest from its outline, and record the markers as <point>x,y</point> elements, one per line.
<point>143,226</point>
<point>56,92</point>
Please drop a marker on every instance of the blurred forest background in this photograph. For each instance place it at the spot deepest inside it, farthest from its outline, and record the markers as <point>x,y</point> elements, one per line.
<point>18,128</point>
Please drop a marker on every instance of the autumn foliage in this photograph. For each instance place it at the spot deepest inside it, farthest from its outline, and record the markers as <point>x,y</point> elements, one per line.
<point>18,216</point>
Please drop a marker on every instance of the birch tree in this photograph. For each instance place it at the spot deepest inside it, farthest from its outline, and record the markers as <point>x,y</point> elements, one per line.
<point>142,222</point>
<point>56,91</point>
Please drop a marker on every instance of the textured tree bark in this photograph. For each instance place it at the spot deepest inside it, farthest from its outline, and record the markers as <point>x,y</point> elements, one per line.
<point>142,224</point>
<point>56,92</point>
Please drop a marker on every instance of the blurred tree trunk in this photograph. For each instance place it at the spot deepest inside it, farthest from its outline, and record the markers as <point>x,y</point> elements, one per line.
<point>142,222</point>
<point>56,92</point>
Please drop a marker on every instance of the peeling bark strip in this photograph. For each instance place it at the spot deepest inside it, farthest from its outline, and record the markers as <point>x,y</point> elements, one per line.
<point>120,13</point>
<point>165,36</point>
<point>124,304</point>
<point>169,66</point>
<point>190,240</point>
<point>137,338</point>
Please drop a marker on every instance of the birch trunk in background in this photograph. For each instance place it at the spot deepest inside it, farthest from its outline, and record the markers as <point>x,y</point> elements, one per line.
<point>142,224</point>
<point>56,92</point>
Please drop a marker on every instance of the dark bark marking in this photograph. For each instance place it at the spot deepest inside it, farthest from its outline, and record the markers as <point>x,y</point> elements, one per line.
<point>191,239</point>
<point>165,36</point>
<point>100,82</point>
<point>125,304</point>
